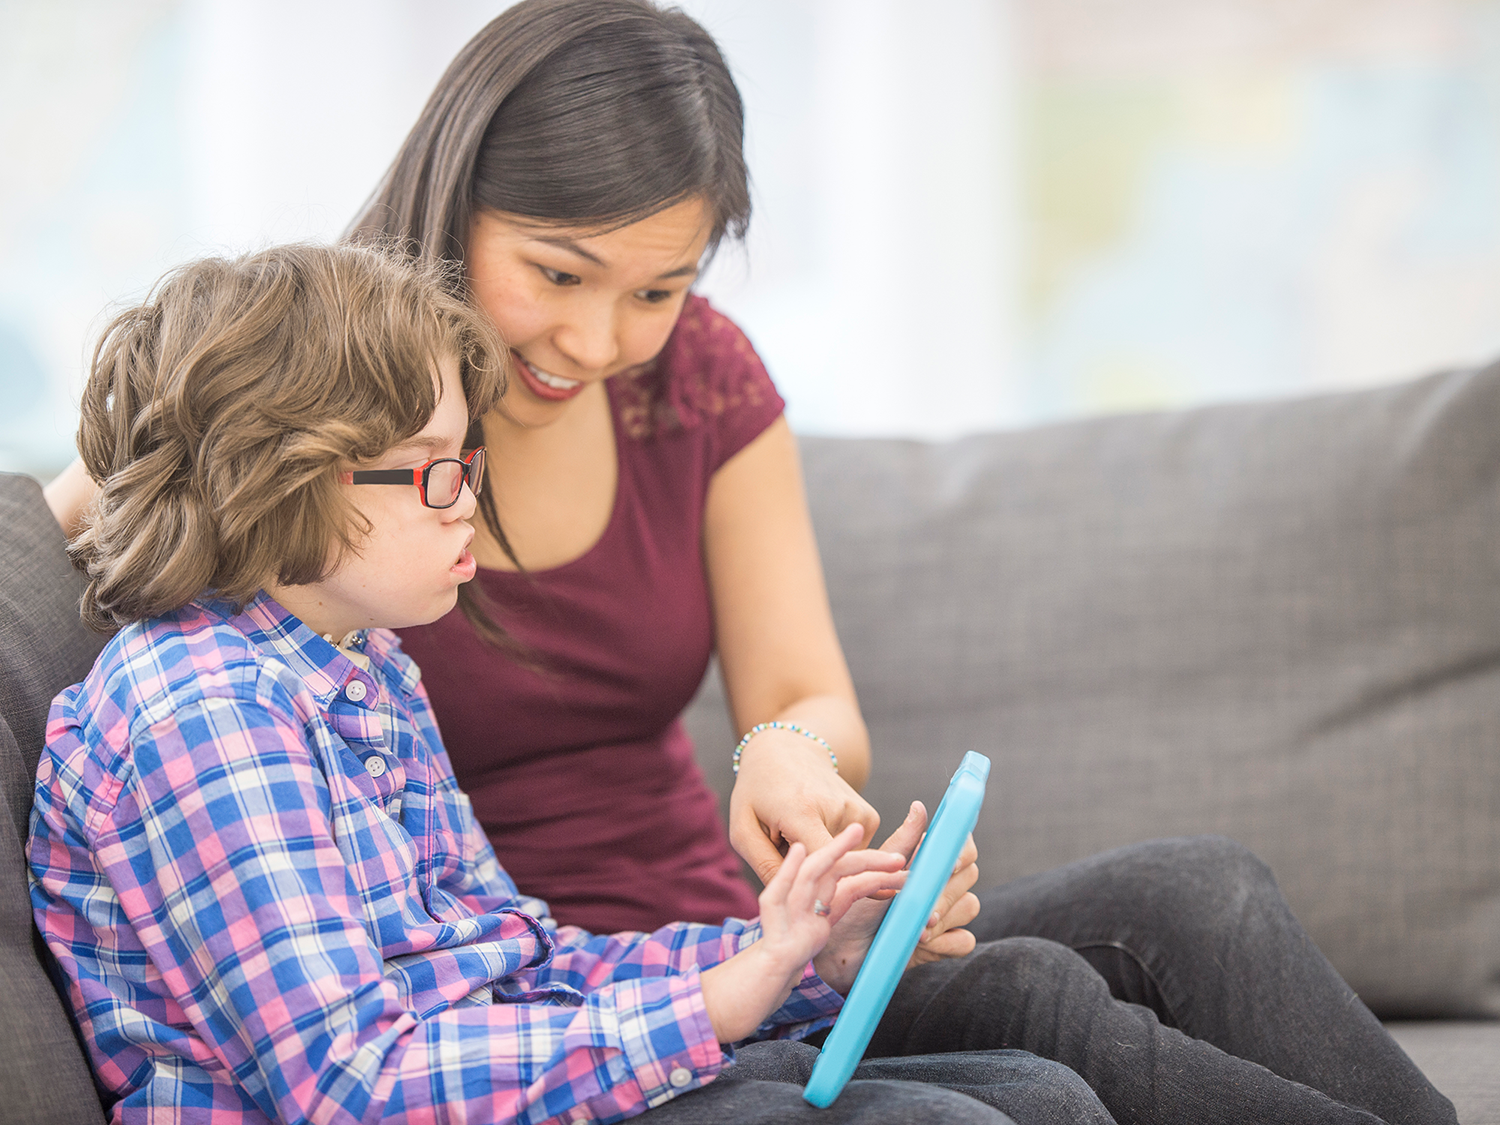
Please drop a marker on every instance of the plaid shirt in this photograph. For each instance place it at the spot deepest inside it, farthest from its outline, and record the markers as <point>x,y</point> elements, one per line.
<point>271,901</point>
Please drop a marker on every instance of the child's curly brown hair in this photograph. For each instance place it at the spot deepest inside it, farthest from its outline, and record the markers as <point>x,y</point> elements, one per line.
<point>219,412</point>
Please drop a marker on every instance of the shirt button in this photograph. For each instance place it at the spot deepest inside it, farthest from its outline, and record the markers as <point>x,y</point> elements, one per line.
<point>680,1077</point>
<point>375,766</point>
<point>355,690</point>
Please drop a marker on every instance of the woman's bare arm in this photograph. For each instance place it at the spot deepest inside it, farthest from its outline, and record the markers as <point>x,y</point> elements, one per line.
<point>68,494</point>
<point>781,658</point>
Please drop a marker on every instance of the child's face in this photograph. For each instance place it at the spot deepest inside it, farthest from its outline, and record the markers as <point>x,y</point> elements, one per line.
<point>408,569</point>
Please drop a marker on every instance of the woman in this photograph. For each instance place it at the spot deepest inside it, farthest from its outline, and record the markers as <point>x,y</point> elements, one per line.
<point>582,158</point>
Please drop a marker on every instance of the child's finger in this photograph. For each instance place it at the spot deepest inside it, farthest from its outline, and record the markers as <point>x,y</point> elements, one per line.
<point>852,888</point>
<point>820,862</point>
<point>780,886</point>
<point>867,859</point>
<point>815,880</point>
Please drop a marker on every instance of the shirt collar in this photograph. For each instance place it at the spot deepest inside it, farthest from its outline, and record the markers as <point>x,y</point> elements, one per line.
<point>276,630</point>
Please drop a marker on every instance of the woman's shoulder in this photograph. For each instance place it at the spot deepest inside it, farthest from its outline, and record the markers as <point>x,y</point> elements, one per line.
<point>703,331</point>
<point>708,376</point>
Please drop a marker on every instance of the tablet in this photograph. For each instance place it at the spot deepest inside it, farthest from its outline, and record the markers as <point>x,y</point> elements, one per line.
<point>899,932</point>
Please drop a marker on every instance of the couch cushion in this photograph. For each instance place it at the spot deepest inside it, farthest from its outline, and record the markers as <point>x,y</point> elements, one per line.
<point>1279,621</point>
<point>44,647</point>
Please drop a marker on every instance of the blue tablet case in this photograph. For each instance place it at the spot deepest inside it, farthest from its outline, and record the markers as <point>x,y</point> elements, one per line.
<point>899,931</point>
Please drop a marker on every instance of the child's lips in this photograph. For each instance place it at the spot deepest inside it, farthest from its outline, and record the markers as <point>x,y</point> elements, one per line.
<point>465,568</point>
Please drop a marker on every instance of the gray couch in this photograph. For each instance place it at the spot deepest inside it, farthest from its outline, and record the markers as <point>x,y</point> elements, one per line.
<point>1276,621</point>
<point>1280,622</point>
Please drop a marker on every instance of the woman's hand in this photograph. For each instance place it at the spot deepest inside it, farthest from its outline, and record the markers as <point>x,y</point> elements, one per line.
<point>956,907</point>
<point>741,992</point>
<point>839,962</point>
<point>788,792</point>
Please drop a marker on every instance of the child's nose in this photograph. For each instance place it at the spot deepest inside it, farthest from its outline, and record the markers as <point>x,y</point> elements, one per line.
<point>464,507</point>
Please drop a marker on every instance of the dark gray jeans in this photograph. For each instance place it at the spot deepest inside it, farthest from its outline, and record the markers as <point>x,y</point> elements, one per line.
<point>764,1087</point>
<point>1162,982</point>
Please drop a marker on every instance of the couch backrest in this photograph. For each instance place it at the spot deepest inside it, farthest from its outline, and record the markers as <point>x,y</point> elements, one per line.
<point>44,647</point>
<point>1278,621</point>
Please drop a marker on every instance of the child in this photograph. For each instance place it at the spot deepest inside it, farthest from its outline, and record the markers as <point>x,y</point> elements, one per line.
<point>266,895</point>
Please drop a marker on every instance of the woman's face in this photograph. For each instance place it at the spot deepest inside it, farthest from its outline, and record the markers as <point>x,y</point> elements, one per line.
<point>577,307</point>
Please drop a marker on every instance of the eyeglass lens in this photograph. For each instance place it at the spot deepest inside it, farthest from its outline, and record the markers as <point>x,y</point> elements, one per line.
<point>445,479</point>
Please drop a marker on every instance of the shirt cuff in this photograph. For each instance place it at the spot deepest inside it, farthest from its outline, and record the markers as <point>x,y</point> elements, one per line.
<point>668,1043</point>
<point>811,1007</point>
<point>737,941</point>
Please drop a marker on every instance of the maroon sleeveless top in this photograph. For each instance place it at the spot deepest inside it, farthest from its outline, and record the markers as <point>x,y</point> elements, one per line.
<point>579,769</point>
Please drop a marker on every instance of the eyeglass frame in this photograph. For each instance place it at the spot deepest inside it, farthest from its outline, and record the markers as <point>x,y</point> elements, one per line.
<point>472,475</point>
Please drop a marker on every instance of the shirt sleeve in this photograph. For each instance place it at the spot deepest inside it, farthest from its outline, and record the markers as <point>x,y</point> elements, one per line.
<point>220,849</point>
<point>583,961</point>
<point>712,377</point>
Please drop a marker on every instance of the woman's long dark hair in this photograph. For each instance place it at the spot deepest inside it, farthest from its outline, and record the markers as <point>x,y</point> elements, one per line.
<point>593,113</point>
<point>579,112</point>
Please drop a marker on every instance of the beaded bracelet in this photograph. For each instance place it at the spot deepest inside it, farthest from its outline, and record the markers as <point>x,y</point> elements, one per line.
<point>803,731</point>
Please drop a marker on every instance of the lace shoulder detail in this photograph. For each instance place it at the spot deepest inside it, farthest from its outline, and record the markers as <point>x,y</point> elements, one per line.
<point>706,371</point>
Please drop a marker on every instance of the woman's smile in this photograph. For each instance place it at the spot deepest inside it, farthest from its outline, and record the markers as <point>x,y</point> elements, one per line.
<point>544,384</point>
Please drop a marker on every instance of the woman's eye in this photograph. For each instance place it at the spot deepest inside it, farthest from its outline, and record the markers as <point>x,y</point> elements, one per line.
<point>654,296</point>
<point>557,277</point>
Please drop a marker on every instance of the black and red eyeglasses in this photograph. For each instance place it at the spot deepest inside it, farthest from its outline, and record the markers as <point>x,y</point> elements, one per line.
<point>440,481</point>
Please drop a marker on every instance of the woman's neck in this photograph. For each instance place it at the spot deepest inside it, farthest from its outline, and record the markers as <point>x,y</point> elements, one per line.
<point>553,485</point>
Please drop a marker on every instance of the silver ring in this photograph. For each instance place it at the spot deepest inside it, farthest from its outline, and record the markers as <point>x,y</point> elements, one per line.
<point>821,909</point>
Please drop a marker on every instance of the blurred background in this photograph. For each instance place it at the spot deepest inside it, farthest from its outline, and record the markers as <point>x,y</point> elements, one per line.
<point>970,214</point>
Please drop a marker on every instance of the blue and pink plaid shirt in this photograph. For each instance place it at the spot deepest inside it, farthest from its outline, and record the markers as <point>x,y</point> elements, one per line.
<point>271,902</point>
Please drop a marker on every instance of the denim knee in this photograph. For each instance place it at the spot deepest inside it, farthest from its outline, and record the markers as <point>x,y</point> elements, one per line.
<point>1043,1090</point>
<point>1028,1088</point>
<point>1008,993</point>
<point>1222,857</point>
<point>776,1060</point>
<point>1201,884</point>
<point>1030,963</point>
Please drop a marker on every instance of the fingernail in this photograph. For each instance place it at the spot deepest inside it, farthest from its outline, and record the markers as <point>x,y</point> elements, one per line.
<point>933,921</point>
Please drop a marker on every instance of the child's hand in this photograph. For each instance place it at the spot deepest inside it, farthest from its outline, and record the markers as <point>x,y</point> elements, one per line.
<point>801,904</point>
<point>845,950</point>
<point>800,908</point>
